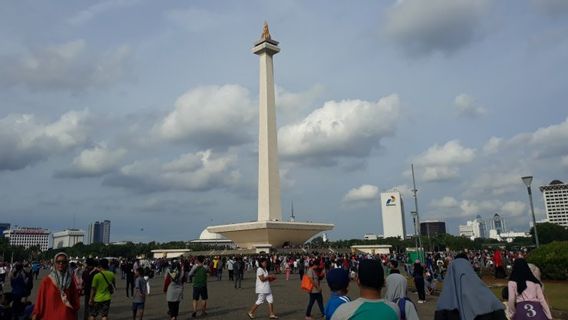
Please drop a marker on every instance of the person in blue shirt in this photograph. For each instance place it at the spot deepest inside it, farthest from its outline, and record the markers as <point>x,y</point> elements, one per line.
<point>338,282</point>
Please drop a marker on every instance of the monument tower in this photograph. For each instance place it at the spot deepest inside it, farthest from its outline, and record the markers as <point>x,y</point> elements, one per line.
<point>269,231</point>
<point>269,207</point>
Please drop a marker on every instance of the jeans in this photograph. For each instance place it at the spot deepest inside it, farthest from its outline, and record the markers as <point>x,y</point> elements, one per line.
<point>313,298</point>
<point>238,276</point>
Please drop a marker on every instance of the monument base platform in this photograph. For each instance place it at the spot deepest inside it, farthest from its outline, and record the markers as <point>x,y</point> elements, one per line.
<point>269,234</point>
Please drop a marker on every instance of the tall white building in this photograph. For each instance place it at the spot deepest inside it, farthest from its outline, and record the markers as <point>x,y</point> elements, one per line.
<point>474,229</point>
<point>68,238</point>
<point>393,215</point>
<point>28,237</point>
<point>556,202</point>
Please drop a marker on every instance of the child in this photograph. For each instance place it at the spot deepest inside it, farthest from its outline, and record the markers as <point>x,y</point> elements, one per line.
<point>338,281</point>
<point>139,297</point>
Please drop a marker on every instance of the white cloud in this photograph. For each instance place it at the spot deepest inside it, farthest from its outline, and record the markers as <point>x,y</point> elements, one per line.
<point>492,146</point>
<point>348,128</point>
<point>67,66</point>
<point>210,116</point>
<point>423,27</point>
<point>363,193</point>
<point>201,171</point>
<point>94,162</point>
<point>290,104</point>
<point>25,140</point>
<point>514,208</point>
<point>440,163</point>
<point>496,183</point>
<point>467,106</point>
<point>445,202</point>
<point>404,189</point>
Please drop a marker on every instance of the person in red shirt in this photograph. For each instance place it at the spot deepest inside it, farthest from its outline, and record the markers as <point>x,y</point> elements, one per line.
<point>58,296</point>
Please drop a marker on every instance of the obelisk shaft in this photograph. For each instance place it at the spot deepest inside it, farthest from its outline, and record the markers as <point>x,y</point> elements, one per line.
<point>269,206</point>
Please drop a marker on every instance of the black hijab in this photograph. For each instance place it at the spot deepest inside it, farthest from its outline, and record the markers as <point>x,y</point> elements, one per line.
<point>522,273</point>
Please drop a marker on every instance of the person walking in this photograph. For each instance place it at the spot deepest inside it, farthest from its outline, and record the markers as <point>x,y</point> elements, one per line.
<point>102,288</point>
<point>465,296</point>
<point>139,297</point>
<point>526,299</point>
<point>88,274</point>
<point>315,294</point>
<point>199,274</point>
<point>173,287</point>
<point>418,275</point>
<point>231,268</point>
<point>262,288</point>
<point>129,272</point>
<point>239,268</point>
<point>58,296</point>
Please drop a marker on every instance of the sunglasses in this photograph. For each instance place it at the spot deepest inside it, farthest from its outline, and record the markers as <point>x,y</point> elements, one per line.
<point>61,261</point>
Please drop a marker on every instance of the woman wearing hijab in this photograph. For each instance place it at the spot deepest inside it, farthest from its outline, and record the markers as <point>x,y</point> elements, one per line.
<point>526,300</point>
<point>465,297</point>
<point>396,289</point>
<point>173,287</point>
<point>58,296</point>
<point>418,275</point>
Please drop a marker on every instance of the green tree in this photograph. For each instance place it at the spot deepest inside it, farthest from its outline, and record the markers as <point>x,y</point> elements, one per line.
<point>548,232</point>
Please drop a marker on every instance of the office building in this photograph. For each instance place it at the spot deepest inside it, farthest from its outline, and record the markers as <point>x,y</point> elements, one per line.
<point>99,232</point>
<point>556,202</point>
<point>3,227</point>
<point>67,238</point>
<point>498,224</point>
<point>28,237</point>
<point>474,229</point>
<point>392,209</point>
<point>432,228</point>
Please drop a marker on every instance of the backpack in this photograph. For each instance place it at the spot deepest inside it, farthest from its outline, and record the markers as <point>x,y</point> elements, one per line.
<point>401,303</point>
<point>307,284</point>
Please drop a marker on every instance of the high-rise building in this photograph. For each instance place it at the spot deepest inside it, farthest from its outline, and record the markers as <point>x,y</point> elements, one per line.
<point>498,224</point>
<point>392,209</point>
<point>474,229</point>
<point>67,238</point>
<point>556,202</point>
<point>99,232</point>
<point>432,228</point>
<point>28,237</point>
<point>3,227</point>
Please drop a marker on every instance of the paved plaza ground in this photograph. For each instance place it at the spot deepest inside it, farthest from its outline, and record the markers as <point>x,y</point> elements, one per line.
<point>226,302</point>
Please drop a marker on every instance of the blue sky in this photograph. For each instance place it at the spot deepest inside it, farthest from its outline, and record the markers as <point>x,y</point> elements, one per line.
<point>145,112</point>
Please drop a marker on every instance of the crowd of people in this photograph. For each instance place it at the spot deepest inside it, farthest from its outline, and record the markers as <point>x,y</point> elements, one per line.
<point>382,281</point>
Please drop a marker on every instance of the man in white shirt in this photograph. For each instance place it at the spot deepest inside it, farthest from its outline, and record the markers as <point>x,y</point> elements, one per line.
<point>263,290</point>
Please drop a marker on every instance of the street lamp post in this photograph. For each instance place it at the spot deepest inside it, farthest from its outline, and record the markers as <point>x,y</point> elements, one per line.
<point>528,180</point>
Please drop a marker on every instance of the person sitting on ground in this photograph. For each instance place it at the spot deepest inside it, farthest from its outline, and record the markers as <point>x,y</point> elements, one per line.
<point>370,280</point>
<point>465,297</point>
<point>338,282</point>
<point>397,286</point>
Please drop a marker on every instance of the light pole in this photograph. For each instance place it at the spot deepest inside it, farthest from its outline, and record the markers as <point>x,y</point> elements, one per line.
<point>417,216</point>
<point>527,180</point>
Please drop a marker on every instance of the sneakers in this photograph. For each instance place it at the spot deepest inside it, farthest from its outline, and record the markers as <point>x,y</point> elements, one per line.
<point>421,301</point>
<point>251,315</point>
